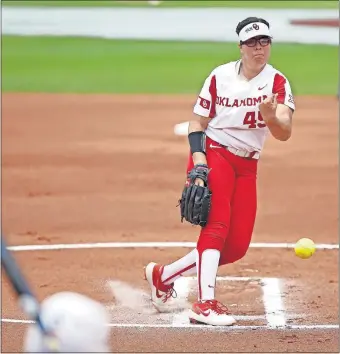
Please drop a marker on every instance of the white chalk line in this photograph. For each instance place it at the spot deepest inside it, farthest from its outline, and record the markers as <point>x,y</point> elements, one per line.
<point>182,319</point>
<point>273,303</point>
<point>198,327</point>
<point>50,247</point>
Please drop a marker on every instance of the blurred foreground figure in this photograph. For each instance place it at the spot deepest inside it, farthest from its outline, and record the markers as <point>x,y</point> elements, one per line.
<point>78,322</point>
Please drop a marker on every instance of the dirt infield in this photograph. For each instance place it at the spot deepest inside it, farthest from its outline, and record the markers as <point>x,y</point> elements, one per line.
<point>108,168</point>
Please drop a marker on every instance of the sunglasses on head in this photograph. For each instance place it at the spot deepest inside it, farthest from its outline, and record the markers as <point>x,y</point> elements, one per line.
<point>251,42</point>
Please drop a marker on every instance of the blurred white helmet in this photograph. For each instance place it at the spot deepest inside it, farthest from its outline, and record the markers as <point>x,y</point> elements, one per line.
<point>79,323</point>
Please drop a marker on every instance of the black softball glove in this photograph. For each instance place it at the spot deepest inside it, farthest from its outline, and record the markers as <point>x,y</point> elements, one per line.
<point>196,200</point>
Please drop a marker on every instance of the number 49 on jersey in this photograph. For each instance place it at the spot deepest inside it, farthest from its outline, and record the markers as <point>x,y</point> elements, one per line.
<point>254,120</point>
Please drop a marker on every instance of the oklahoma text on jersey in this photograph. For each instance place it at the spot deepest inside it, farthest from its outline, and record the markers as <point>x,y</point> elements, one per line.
<point>233,103</point>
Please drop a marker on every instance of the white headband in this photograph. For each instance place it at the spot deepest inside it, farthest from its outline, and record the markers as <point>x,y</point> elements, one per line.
<point>254,29</point>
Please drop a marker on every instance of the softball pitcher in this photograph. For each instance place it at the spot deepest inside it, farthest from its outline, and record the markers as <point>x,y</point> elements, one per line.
<point>240,103</point>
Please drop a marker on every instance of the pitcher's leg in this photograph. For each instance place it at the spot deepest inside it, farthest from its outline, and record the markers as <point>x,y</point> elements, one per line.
<point>242,221</point>
<point>211,241</point>
<point>243,211</point>
<point>182,267</point>
<point>212,237</point>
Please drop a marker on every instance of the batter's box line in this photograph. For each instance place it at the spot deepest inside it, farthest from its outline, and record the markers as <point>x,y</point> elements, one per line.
<point>271,297</point>
<point>191,327</point>
<point>127,245</point>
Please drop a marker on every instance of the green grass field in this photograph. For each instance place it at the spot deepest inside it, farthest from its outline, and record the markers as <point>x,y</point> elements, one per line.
<point>59,64</point>
<point>323,4</point>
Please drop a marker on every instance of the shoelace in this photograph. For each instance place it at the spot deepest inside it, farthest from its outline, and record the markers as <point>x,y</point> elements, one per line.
<point>170,293</point>
<point>218,307</point>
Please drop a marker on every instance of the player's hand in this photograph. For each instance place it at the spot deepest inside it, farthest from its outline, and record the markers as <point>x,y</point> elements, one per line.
<point>200,159</point>
<point>199,182</point>
<point>268,107</point>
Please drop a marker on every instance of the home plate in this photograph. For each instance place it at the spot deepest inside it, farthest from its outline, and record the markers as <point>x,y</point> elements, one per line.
<point>181,128</point>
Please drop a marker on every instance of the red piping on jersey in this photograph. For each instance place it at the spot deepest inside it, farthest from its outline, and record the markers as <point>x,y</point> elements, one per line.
<point>199,270</point>
<point>279,88</point>
<point>213,94</point>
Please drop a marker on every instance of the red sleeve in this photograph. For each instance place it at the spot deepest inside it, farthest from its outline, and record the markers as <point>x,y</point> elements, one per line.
<point>213,94</point>
<point>206,101</point>
<point>281,86</point>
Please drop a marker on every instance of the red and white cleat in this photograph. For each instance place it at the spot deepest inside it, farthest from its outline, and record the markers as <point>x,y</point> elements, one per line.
<point>210,312</point>
<point>162,296</point>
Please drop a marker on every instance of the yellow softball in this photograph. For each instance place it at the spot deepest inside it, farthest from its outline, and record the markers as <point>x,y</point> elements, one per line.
<point>304,248</point>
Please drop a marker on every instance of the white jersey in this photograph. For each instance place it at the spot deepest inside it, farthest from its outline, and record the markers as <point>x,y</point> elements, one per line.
<point>233,103</point>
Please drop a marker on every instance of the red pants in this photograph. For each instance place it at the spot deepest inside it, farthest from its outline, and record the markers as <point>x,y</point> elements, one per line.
<point>232,180</point>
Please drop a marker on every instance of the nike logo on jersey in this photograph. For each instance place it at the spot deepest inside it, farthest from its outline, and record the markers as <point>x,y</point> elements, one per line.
<point>261,88</point>
<point>215,146</point>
